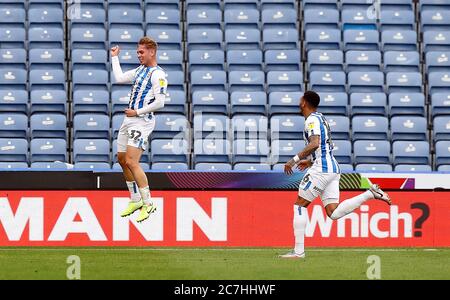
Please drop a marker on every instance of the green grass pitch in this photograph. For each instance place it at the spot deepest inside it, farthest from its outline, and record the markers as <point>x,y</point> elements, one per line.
<point>222,263</point>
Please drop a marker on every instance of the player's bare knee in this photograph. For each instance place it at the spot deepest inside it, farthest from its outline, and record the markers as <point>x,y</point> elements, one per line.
<point>131,163</point>
<point>122,160</point>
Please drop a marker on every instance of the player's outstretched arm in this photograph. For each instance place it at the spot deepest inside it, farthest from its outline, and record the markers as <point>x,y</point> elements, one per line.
<point>120,76</point>
<point>314,142</point>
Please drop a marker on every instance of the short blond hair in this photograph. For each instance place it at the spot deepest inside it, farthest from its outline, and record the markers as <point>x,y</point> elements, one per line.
<point>149,43</point>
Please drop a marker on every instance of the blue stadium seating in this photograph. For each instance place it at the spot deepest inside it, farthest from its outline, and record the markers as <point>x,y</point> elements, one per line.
<point>232,66</point>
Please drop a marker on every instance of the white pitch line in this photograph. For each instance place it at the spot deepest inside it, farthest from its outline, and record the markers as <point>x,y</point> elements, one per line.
<point>214,249</point>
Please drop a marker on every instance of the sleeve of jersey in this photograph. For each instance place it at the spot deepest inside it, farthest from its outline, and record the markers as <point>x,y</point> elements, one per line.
<point>159,87</point>
<point>120,76</point>
<point>312,126</point>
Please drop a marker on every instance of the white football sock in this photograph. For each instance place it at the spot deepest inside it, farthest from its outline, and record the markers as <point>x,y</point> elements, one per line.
<point>349,205</point>
<point>145,194</point>
<point>134,193</point>
<point>299,228</point>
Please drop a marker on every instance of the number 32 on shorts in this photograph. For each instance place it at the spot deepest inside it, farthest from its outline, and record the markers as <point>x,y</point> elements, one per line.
<point>134,134</point>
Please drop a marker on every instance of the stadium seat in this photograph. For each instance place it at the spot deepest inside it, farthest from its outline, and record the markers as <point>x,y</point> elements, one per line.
<point>284,81</point>
<point>94,101</point>
<point>321,17</point>
<point>361,39</point>
<point>411,152</point>
<point>325,60</point>
<point>13,166</point>
<point>437,61</point>
<point>212,151</point>
<point>322,38</point>
<point>13,150</point>
<point>48,150</point>
<point>91,150</point>
<point>168,126</point>
<point>413,168</point>
<point>346,168</point>
<point>169,166</point>
<point>342,151</point>
<point>333,81</point>
<point>199,18</point>
<point>433,4</point>
<point>339,126</point>
<point>409,128</point>
<point>204,39</point>
<point>436,41</point>
<point>283,150</point>
<point>45,79</point>
<point>248,126</point>
<point>391,19</point>
<point>175,102</point>
<point>401,61</point>
<point>213,60</point>
<point>399,40</point>
<point>16,58</point>
<point>333,103</point>
<point>13,79</point>
<point>280,103</point>
<point>46,59</point>
<point>372,152</point>
<point>91,126</point>
<point>373,168</point>
<point>15,101</point>
<point>250,151</point>
<point>13,125</point>
<point>314,4</point>
<point>213,167</point>
<point>282,60</point>
<point>357,18</point>
<point>368,104</point>
<point>245,60</point>
<point>279,17</point>
<point>209,126</point>
<point>407,104</point>
<point>440,104</point>
<point>208,80</point>
<point>12,36</point>
<point>170,60</point>
<point>441,128</point>
<point>45,36</point>
<point>210,102</point>
<point>442,153</point>
<point>404,82</point>
<point>167,38</point>
<point>169,151</point>
<point>240,17</point>
<point>435,20</point>
<point>287,127</point>
<point>248,103</point>
<point>439,82</point>
<point>361,60</point>
<point>255,167</point>
<point>246,81</point>
<point>369,82</point>
<point>48,126</point>
<point>369,128</point>
<point>92,166</point>
<point>280,38</point>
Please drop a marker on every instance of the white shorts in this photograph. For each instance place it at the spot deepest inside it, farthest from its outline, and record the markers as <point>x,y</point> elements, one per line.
<point>134,132</point>
<point>325,185</point>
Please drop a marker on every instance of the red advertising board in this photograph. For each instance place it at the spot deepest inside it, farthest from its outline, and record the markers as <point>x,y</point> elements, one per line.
<point>218,218</point>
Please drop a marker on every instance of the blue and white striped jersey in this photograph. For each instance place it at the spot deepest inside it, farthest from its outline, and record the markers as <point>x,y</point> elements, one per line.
<point>147,82</point>
<point>323,159</point>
